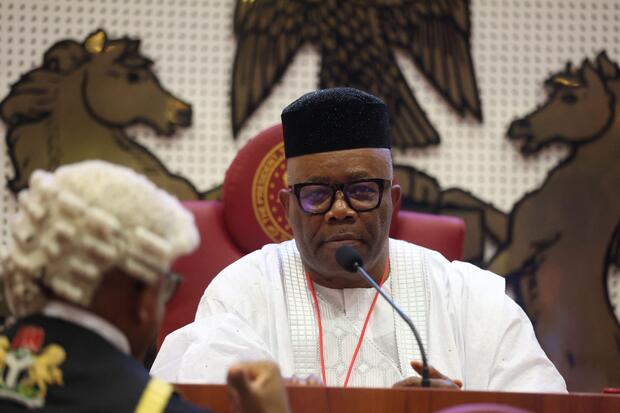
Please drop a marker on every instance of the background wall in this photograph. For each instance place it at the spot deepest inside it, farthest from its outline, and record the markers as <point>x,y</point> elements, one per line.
<point>516,45</point>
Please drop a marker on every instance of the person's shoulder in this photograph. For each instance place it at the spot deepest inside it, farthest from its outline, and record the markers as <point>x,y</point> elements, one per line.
<point>455,275</point>
<point>250,264</point>
<point>90,374</point>
<point>256,257</point>
<point>159,395</point>
<point>476,279</point>
<point>250,274</point>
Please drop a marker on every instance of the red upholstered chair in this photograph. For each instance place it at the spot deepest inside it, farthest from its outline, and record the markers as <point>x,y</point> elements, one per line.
<point>250,216</point>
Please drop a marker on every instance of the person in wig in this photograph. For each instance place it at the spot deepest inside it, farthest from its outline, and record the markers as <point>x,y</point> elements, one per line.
<point>87,275</point>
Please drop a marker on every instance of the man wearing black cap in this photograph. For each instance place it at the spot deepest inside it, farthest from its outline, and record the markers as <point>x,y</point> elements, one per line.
<point>293,303</point>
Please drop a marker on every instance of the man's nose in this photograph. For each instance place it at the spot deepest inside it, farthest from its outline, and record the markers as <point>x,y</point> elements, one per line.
<point>340,209</point>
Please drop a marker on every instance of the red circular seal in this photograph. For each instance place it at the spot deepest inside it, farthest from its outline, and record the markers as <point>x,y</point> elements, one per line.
<point>269,178</point>
<point>252,212</point>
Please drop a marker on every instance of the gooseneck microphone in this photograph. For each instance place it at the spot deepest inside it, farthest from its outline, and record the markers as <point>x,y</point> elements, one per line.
<point>351,261</point>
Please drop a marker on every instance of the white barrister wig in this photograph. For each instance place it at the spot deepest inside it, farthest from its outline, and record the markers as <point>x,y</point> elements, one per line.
<point>84,219</point>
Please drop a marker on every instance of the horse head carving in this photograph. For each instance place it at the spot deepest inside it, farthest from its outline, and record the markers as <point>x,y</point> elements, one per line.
<point>76,105</point>
<point>578,107</point>
<point>564,236</point>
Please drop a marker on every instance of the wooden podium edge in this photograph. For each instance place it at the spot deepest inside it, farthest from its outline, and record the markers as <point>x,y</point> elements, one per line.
<point>335,399</point>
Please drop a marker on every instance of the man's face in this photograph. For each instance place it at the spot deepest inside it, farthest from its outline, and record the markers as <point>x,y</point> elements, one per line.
<point>319,236</point>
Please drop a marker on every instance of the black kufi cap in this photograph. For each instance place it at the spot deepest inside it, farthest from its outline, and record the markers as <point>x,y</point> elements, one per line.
<point>335,119</point>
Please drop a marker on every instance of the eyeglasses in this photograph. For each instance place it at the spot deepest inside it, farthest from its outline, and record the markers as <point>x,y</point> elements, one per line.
<point>170,285</point>
<point>361,196</point>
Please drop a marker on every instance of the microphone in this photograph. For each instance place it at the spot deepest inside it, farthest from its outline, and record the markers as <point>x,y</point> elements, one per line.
<point>351,261</point>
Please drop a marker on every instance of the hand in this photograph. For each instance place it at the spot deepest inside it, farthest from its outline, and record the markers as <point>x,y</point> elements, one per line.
<point>436,378</point>
<point>257,387</point>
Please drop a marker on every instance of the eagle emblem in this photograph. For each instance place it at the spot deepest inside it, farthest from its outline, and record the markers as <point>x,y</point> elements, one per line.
<point>357,42</point>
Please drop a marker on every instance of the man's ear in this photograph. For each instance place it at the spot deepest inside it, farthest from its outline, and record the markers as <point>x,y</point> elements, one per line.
<point>395,194</point>
<point>145,304</point>
<point>284,195</point>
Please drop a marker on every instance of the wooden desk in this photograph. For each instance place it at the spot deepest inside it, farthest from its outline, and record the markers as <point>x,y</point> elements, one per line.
<point>334,399</point>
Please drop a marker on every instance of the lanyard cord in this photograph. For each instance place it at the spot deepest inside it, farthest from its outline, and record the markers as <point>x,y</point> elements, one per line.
<point>361,339</point>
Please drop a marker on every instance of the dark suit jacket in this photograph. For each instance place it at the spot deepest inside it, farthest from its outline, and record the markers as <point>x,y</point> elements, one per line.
<point>97,377</point>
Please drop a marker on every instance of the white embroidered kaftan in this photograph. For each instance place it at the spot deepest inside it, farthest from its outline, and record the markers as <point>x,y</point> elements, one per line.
<point>260,307</point>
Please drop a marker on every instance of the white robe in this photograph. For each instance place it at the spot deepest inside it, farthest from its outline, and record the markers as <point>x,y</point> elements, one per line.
<point>474,332</point>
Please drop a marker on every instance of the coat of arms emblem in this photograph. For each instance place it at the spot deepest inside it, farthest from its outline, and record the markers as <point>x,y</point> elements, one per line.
<point>27,368</point>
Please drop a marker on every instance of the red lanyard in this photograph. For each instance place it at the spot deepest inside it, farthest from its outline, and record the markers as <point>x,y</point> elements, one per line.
<point>361,339</point>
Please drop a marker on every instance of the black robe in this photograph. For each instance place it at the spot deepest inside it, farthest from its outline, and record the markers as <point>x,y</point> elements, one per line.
<point>97,376</point>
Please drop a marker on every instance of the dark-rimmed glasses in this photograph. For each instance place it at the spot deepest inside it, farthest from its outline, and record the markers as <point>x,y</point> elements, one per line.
<point>361,196</point>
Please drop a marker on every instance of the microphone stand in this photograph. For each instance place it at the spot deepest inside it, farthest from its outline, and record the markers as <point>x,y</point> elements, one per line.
<point>425,380</point>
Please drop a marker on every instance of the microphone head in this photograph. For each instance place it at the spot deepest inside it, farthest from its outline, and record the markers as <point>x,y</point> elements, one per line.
<point>348,258</point>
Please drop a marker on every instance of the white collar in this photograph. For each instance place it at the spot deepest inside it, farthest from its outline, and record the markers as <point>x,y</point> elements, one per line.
<point>89,321</point>
<point>409,273</point>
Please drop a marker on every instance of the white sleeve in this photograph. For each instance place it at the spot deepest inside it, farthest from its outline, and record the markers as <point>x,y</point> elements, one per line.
<point>234,322</point>
<point>520,364</point>
<point>501,351</point>
<point>202,351</point>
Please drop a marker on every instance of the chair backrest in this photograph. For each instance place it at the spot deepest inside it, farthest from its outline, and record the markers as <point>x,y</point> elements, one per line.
<point>249,216</point>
